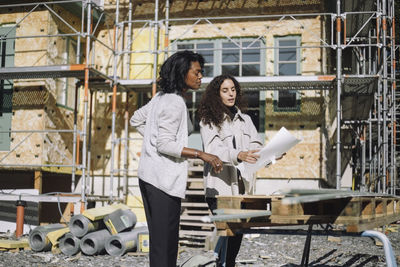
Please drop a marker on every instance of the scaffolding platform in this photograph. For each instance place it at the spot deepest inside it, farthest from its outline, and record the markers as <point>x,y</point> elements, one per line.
<point>353,84</point>
<point>53,71</point>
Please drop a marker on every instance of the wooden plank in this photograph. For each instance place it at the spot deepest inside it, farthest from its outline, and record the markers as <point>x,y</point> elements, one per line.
<point>197,180</point>
<point>191,218</point>
<point>192,212</point>
<point>22,243</point>
<point>368,225</point>
<point>194,192</point>
<point>99,213</point>
<point>195,186</point>
<point>54,236</point>
<point>198,224</point>
<point>194,205</point>
<point>194,232</point>
<point>38,182</point>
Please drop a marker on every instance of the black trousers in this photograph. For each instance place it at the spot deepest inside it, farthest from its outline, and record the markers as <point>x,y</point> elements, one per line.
<point>162,214</point>
<point>234,242</point>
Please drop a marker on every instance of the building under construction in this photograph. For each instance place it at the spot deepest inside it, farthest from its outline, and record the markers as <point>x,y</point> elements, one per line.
<point>73,72</point>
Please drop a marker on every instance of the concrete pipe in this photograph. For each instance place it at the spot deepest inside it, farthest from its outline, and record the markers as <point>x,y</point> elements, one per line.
<point>79,225</point>
<point>94,242</point>
<point>120,220</point>
<point>69,244</point>
<point>37,237</point>
<point>118,245</point>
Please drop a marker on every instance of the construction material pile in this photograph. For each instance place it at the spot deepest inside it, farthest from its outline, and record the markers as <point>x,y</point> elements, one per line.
<point>109,229</point>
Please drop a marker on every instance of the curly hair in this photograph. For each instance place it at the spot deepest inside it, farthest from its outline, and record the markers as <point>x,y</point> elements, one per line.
<point>211,110</point>
<point>174,70</point>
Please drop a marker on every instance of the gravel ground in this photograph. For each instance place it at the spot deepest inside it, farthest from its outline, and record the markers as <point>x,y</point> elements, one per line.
<point>257,250</point>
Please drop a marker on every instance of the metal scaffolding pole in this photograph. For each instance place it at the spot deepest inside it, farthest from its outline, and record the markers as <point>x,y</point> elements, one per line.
<point>155,62</point>
<point>126,144</point>
<point>129,40</point>
<point>384,99</point>
<point>75,127</point>
<point>363,151</point>
<point>125,140</point>
<point>114,103</point>
<point>89,149</point>
<point>166,38</point>
<point>338,90</point>
<point>370,157</point>
<point>85,106</point>
<point>393,100</point>
<point>379,104</point>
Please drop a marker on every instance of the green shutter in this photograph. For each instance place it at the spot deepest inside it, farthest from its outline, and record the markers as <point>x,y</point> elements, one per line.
<point>6,86</point>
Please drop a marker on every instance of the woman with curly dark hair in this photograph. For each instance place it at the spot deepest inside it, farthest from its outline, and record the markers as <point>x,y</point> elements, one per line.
<point>231,135</point>
<point>163,167</point>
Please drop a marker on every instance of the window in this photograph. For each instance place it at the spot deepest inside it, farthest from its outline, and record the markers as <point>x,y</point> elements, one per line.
<point>241,62</point>
<point>6,86</point>
<point>192,102</point>
<point>66,86</point>
<point>237,57</point>
<point>287,62</point>
<point>256,108</point>
<point>143,98</point>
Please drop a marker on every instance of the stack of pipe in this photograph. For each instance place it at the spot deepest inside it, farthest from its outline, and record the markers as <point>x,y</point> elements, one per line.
<point>113,234</point>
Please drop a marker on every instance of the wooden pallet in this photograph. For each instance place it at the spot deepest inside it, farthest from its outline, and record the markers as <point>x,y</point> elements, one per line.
<point>356,213</point>
<point>193,232</point>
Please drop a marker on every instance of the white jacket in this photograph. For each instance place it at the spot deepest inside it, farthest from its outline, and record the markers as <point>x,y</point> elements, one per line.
<point>220,143</point>
<point>163,122</point>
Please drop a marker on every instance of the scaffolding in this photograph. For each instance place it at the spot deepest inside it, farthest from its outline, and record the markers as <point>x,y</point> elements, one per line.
<point>368,36</point>
<point>82,33</point>
<point>361,85</point>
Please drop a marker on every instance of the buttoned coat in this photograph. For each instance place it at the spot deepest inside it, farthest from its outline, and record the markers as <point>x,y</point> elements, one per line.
<point>220,143</point>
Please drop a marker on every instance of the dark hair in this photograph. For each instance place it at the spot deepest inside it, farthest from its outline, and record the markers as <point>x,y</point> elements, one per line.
<point>174,70</point>
<point>211,109</point>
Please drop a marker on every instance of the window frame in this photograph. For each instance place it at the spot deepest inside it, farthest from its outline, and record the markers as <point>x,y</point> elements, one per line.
<point>7,85</point>
<point>62,97</point>
<point>297,38</point>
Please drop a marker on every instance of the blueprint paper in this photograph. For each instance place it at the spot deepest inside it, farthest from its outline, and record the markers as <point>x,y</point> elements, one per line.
<point>282,141</point>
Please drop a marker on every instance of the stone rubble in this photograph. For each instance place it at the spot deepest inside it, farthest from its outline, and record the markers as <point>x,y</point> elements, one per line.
<point>258,250</point>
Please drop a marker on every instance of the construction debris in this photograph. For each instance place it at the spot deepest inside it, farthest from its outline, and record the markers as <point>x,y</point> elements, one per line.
<point>13,244</point>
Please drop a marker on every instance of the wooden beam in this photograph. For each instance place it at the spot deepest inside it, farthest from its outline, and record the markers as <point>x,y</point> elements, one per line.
<point>38,181</point>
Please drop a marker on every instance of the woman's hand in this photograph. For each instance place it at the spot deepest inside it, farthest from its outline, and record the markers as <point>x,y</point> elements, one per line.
<point>213,160</point>
<point>249,156</point>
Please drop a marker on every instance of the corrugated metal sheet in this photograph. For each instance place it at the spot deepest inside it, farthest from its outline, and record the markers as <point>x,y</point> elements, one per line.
<point>8,212</point>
